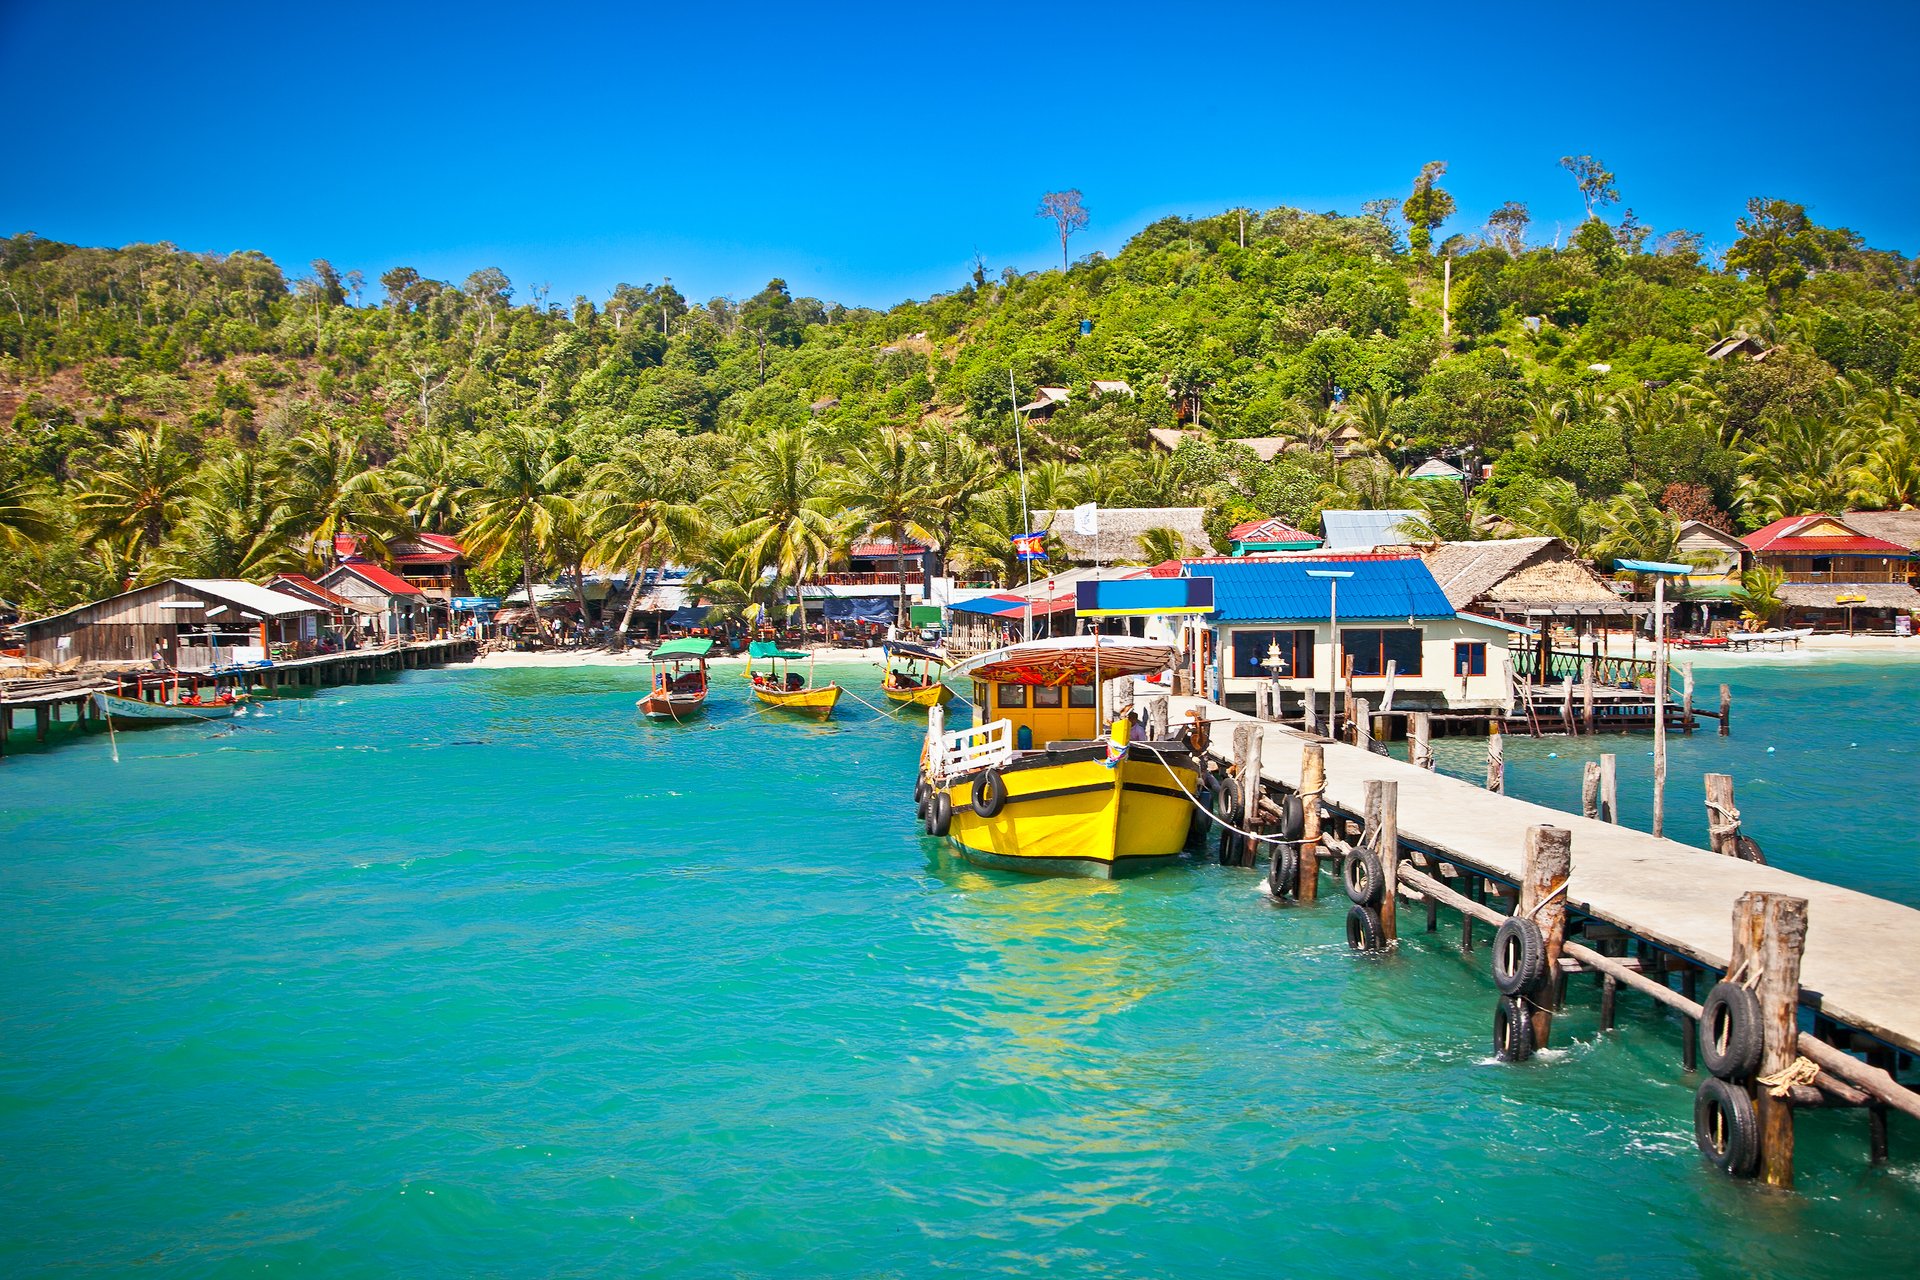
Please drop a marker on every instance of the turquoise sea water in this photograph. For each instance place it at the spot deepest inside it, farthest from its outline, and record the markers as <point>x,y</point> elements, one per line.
<point>474,972</point>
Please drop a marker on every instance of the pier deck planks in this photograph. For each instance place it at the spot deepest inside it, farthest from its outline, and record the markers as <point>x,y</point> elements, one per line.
<point>1862,961</point>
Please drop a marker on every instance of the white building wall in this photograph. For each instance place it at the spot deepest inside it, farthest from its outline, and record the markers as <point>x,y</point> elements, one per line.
<point>1435,685</point>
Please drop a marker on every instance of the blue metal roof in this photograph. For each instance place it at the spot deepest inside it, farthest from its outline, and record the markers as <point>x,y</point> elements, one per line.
<point>1364,530</point>
<point>1281,591</point>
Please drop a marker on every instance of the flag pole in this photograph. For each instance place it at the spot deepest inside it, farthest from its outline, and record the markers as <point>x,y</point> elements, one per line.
<point>1026,516</point>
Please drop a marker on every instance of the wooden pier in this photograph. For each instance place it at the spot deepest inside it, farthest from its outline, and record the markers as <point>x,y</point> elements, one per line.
<point>69,699</point>
<point>1850,968</point>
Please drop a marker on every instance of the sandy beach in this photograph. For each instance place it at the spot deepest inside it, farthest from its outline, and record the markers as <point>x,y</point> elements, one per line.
<point>638,658</point>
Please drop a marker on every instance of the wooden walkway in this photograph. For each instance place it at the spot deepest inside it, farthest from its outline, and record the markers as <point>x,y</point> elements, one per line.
<point>1861,967</point>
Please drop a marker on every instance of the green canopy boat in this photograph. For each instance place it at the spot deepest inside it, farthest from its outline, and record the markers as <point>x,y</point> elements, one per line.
<point>677,691</point>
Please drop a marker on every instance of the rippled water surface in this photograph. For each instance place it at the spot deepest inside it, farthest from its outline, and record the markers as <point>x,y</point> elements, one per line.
<point>474,972</point>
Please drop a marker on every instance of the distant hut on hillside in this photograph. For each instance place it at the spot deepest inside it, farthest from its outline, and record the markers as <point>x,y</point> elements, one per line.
<point>1118,541</point>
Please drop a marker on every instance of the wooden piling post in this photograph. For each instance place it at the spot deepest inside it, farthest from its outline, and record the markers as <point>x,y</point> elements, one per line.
<point>1496,761</point>
<point>1157,719</point>
<point>1386,698</point>
<point>1769,933</point>
<point>41,720</point>
<point>1723,820</point>
<point>1383,823</point>
<point>1689,1027</point>
<point>1313,781</point>
<point>1307,717</point>
<point>1590,789</point>
<point>1543,879</point>
<point>1421,731</point>
<point>1686,697</point>
<point>1247,740</point>
<point>1609,787</point>
<point>1362,724</point>
<point>1593,660</point>
<point>1726,709</point>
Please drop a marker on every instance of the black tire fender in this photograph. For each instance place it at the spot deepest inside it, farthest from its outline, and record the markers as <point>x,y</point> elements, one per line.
<point>1293,817</point>
<point>989,793</point>
<point>1519,957</point>
<point>1513,1030</point>
<point>1730,1034</point>
<point>1726,1127</point>
<point>939,813</point>
<point>1364,930</point>
<point>1283,873</point>
<point>1364,877</point>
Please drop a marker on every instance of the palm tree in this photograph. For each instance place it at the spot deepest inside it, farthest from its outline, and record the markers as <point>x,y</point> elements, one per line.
<point>885,484</point>
<point>523,501</point>
<point>1372,413</point>
<point>958,470</point>
<point>1804,464</point>
<point>234,528</point>
<point>644,503</point>
<point>1556,510</point>
<point>791,531</point>
<point>430,478</point>
<point>1160,544</point>
<point>1759,594</point>
<point>25,517</point>
<point>137,491</point>
<point>1640,529</point>
<point>328,491</point>
<point>986,539</point>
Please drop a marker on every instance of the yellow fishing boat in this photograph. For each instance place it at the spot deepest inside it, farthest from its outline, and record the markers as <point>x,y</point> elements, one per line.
<point>1042,783</point>
<point>915,688</point>
<point>783,688</point>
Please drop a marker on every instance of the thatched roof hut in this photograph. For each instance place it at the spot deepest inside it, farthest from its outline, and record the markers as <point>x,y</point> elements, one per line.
<point>1118,541</point>
<point>1902,527</point>
<point>1515,571</point>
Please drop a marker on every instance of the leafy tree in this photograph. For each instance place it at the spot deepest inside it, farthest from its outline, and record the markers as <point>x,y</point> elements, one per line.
<point>644,505</point>
<point>1595,181</point>
<point>886,485</point>
<point>1507,227</point>
<point>137,491</point>
<point>792,530</point>
<point>1427,207</point>
<point>523,502</point>
<point>1778,245</point>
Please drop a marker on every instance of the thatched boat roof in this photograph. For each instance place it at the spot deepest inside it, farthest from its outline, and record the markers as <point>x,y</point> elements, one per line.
<point>1515,571</point>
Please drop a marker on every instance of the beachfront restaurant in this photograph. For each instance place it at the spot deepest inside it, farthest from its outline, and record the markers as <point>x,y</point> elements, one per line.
<point>1273,624</point>
<point>194,623</point>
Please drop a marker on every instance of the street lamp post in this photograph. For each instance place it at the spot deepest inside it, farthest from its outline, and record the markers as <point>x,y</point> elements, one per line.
<point>1333,577</point>
<point>1275,664</point>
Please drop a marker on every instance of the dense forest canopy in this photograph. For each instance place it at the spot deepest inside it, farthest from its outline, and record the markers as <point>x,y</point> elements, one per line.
<point>169,411</point>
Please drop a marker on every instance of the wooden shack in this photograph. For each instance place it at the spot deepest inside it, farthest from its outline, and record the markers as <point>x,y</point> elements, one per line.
<point>388,605</point>
<point>196,623</point>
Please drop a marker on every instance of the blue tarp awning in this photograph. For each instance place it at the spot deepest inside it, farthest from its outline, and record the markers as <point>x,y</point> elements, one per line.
<point>691,615</point>
<point>861,608</point>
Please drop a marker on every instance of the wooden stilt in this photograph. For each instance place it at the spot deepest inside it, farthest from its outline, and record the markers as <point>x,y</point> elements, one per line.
<point>1686,697</point>
<point>1421,751</point>
<point>1543,880</point>
<point>1496,761</point>
<point>1590,789</point>
<point>1313,781</point>
<point>1769,933</point>
<point>1609,994</point>
<point>1726,710</point>
<point>1690,1027</point>
<point>1609,788</point>
<point>1723,820</point>
<point>42,717</point>
<point>1247,739</point>
<point>1383,821</point>
<point>1362,716</point>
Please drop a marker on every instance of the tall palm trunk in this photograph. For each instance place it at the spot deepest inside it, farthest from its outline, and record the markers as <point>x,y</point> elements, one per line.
<point>900,564</point>
<point>526,580</point>
<point>637,577</point>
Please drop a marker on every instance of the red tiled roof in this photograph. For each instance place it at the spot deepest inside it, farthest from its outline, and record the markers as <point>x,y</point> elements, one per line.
<point>1782,537</point>
<point>873,550</point>
<point>391,583</point>
<point>1271,529</point>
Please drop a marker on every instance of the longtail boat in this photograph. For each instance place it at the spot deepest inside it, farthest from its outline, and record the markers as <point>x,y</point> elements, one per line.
<point>1040,784</point>
<point>915,688</point>
<point>191,707</point>
<point>677,691</point>
<point>785,689</point>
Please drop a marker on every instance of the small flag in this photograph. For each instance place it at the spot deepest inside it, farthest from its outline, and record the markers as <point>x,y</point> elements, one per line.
<point>1086,519</point>
<point>1030,546</point>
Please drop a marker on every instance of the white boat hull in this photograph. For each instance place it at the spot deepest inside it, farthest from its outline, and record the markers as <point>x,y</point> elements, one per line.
<point>119,708</point>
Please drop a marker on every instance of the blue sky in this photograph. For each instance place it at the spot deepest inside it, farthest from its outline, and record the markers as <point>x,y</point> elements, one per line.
<point>867,153</point>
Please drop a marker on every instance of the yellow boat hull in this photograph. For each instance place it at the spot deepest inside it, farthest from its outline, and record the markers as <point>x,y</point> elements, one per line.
<point>817,703</point>
<point>934,695</point>
<point>1080,818</point>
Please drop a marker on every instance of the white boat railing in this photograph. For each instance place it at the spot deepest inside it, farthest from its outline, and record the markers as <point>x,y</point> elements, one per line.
<point>965,750</point>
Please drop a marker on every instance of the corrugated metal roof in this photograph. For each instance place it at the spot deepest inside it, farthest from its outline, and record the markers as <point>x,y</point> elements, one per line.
<point>1281,591</point>
<point>248,595</point>
<point>1357,530</point>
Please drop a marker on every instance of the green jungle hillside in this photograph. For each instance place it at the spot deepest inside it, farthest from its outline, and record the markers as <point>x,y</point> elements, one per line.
<point>171,412</point>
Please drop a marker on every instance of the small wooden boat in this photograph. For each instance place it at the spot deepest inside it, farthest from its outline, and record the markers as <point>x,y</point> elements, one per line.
<point>678,692</point>
<point>915,688</point>
<point>784,689</point>
<point>134,710</point>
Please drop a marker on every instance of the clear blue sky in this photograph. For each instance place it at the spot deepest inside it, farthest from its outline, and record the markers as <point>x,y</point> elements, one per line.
<point>866,154</point>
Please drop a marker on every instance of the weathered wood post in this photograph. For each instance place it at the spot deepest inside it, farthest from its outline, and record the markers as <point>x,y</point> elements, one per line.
<point>1496,761</point>
<point>1308,720</point>
<point>1686,698</point>
<point>1157,719</point>
<point>1567,722</point>
<point>1383,822</point>
<point>1362,724</point>
<point>1609,787</point>
<point>1543,879</point>
<point>1313,782</point>
<point>1590,790</point>
<point>1247,740</point>
<point>1386,698</point>
<point>41,719</point>
<point>1421,751</point>
<point>1593,660</point>
<point>1769,933</point>
<point>1346,663</point>
<point>1120,697</point>
<point>1723,820</point>
<point>1726,709</point>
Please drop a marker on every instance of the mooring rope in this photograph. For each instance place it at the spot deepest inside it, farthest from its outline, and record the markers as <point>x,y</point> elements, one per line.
<point>1722,819</point>
<point>1802,1070</point>
<point>1211,816</point>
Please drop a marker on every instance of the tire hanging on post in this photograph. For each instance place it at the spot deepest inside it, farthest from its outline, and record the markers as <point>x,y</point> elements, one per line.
<point>1364,930</point>
<point>1519,957</point>
<point>1726,1127</point>
<point>1512,1030</point>
<point>1730,1032</point>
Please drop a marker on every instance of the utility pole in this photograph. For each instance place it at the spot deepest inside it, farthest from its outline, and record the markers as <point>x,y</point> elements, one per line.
<point>1446,300</point>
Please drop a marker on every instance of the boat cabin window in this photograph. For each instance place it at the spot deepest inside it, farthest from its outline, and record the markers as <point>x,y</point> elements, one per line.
<point>1012,695</point>
<point>1080,695</point>
<point>1046,696</point>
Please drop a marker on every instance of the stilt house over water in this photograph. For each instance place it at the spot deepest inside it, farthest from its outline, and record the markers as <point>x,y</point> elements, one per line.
<point>196,623</point>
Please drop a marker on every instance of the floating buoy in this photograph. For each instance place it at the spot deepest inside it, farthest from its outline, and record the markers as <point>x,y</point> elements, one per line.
<point>1769,750</point>
<point>1553,755</point>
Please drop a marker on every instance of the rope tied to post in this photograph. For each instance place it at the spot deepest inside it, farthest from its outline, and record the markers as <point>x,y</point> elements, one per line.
<point>1558,891</point>
<point>1801,1071</point>
<point>1211,816</point>
<point>1722,819</point>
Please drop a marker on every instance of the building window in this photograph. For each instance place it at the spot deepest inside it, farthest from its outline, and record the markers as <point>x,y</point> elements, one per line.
<point>1013,695</point>
<point>1372,648</point>
<point>1250,653</point>
<point>1469,657</point>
